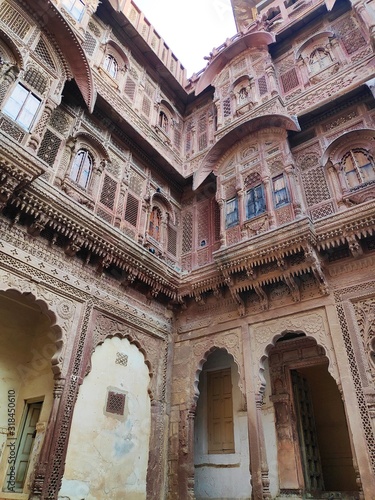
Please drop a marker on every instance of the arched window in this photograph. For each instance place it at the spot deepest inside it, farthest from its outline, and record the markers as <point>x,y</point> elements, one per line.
<point>154,224</point>
<point>110,65</point>
<point>319,59</point>
<point>163,121</point>
<point>358,166</point>
<point>75,7</point>
<point>81,168</point>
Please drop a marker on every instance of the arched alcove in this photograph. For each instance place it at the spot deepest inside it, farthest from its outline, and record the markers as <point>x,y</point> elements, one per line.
<point>312,445</point>
<point>108,449</point>
<point>30,350</point>
<point>220,431</point>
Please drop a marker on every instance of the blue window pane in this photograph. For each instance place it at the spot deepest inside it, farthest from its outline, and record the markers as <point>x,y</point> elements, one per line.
<point>280,191</point>
<point>255,202</point>
<point>231,212</point>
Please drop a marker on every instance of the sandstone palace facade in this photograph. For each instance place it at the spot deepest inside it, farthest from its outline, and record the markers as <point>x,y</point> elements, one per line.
<point>187,265</point>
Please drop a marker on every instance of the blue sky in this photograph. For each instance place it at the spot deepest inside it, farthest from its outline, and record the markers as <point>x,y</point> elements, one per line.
<point>191,29</point>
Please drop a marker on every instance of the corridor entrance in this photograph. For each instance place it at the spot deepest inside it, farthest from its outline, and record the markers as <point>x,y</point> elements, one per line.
<point>314,450</point>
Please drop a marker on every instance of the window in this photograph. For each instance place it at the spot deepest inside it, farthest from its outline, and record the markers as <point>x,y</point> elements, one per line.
<point>110,65</point>
<point>280,191</point>
<point>154,225</point>
<point>163,121</point>
<point>18,467</point>
<point>319,59</point>
<point>75,8</point>
<point>242,95</point>
<point>358,166</point>
<point>231,212</point>
<point>22,106</point>
<point>255,202</point>
<point>220,412</point>
<point>81,168</point>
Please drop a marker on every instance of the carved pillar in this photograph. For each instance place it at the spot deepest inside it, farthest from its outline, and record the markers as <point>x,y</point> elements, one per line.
<point>185,471</point>
<point>155,479</point>
<point>45,454</point>
<point>9,77</point>
<point>270,72</point>
<point>263,457</point>
<point>366,15</point>
<point>303,65</point>
<point>253,422</point>
<point>289,466</point>
<point>38,131</point>
<point>295,191</point>
<point>164,232</point>
<point>339,181</point>
<point>269,201</point>
<point>93,188</point>
<point>47,482</point>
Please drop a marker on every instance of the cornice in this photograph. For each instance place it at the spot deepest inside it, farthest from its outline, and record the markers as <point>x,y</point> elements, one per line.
<point>357,221</point>
<point>52,209</point>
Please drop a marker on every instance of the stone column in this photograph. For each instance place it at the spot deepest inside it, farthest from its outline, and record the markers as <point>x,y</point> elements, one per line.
<point>274,88</point>
<point>337,182</point>
<point>185,472</point>
<point>269,201</point>
<point>253,422</point>
<point>44,457</point>
<point>38,131</point>
<point>295,192</point>
<point>155,476</point>
<point>7,80</point>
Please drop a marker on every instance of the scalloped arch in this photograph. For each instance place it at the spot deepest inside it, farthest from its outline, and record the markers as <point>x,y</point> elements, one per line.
<point>202,359</point>
<point>311,325</point>
<point>32,299</point>
<point>120,51</point>
<point>132,340</point>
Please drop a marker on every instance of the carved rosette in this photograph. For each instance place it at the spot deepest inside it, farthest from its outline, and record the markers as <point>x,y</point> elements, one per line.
<point>265,336</point>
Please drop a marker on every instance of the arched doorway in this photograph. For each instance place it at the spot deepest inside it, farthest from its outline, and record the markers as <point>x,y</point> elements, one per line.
<point>314,451</point>
<point>108,447</point>
<point>221,447</point>
<point>27,345</point>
